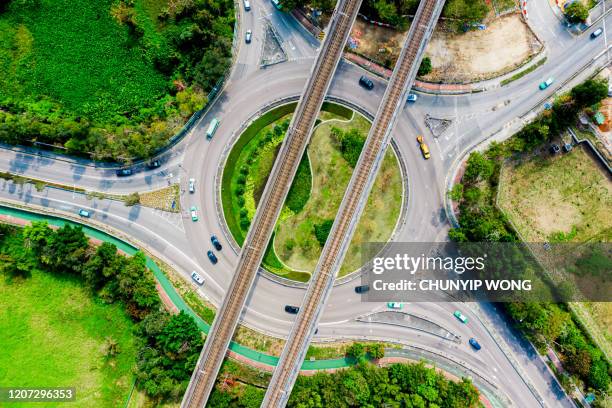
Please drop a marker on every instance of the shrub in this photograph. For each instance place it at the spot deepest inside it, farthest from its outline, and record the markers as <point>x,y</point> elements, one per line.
<point>322,230</point>
<point>132,199</point>
<point>299,193</point>
<point>425,67</point>
<point>351,143</point>
<point>576,12</point>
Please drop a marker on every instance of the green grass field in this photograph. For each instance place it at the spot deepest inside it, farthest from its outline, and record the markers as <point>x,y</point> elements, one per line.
<point>76,54</point>
<point>54,334</point>
<point>566,198</point>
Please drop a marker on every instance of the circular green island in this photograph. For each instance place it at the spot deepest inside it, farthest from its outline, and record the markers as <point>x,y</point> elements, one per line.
<point>317,190</point>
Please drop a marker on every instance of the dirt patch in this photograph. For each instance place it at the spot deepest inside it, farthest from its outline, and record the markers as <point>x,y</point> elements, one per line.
<point>380,44</point>
<point>507,43</point>
<point>477,55</point>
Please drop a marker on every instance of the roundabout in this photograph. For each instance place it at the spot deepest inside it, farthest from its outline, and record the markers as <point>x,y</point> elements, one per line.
<point>316,192</point>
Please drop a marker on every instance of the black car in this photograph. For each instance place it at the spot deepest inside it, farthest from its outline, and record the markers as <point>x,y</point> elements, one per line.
<point>554,148</point>
<point>216,243</point>
<point>213,258</point>
<point>153,164</point>
<point>124,172</point>
<point>292,309</point>
<point>362,288</point>
<point>366,82</point>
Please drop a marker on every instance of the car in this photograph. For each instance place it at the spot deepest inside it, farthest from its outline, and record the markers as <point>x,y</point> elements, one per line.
<point>412,97</point>
<point>153,164</point>
<point>597,33</point>
<point>424,147</point>
<point>554,148</point>
<point>194,213</point>
<point>197,278</point>
<point>460,316</point>
<point>366,82</point>
<point>247,5</point>
<point>216,243</point>
<point>124,172</point>
<point>247,36</point>
<point>212,257</point>
<point>567,147</point>
<point>475,344</point>
<point>362,288</point>
<point>84,213</point>
<point>395,305</point>
<point>192,185</point>
<point>292,309</point>
<point>547,83</point>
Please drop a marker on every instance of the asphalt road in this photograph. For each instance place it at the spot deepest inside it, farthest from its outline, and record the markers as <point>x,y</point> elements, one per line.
<point>183,243</point>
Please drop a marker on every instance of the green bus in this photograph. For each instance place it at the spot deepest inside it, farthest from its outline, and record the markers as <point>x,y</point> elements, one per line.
<point>212,128</point>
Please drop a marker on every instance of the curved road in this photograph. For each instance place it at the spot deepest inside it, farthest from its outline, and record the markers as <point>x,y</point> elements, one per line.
<point>183,243</point>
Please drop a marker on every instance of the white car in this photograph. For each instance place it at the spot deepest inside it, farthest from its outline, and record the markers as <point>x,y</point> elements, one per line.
<point>395,305</point>
<point>192,185</point>
<point>247,5</point>
<point>197,278</point>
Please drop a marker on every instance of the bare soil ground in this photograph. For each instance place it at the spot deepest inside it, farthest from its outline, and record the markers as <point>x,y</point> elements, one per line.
<point>477,55</point>
<point>506,44</point>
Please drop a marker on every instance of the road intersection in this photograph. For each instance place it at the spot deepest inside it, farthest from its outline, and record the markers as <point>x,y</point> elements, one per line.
<point>183,244</point>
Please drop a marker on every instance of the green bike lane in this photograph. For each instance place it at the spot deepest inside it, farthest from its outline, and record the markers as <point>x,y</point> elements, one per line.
<point>176,299</point>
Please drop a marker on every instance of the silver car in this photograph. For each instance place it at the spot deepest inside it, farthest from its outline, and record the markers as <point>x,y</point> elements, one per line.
<point>197,278</point>
<point>192,185</point>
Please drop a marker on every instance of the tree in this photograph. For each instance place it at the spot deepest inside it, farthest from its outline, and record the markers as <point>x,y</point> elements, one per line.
<point>578,362</point>
<point>66,250</point>
<point>376,350</point>
<point>478,167</point>
<point>576,12</point>
<point>179,336</point>
<point>425,67</point>
<point>322,230</point>
<point>590,92</point>
<point>598,376</point>
<point>37,235</point>
<point>356,351</point>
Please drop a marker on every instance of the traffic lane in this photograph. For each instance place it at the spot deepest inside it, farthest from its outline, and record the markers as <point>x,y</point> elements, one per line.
<point>527,357</point>
<point>483,363</point>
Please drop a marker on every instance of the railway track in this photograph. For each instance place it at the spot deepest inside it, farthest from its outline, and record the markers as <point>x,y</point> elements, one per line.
<point>270,205</point>
<point>352,205</point>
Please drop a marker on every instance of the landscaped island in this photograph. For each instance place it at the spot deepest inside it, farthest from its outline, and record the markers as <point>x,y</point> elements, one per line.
<point>110,79</point>
<point>316,192</point>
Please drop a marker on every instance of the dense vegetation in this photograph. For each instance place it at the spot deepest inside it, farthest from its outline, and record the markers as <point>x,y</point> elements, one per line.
<point>395,12</point>
<point>249,174</point>
<point>364,385</point>
<point>576,12</point>
<point>168,345</point>
<point>351,143</point>
<point>481,221</point>
<point>114,79</point>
